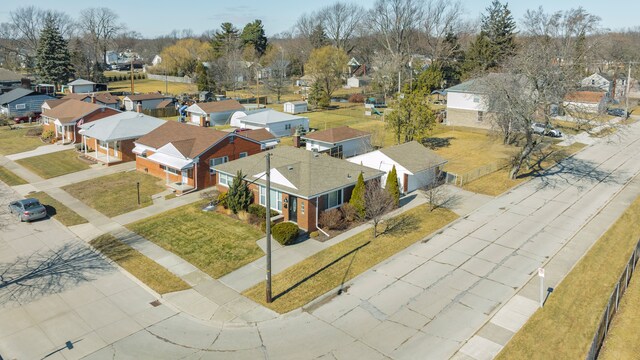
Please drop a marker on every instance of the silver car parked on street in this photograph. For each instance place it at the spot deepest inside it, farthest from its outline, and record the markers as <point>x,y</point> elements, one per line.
<point>28,209</point>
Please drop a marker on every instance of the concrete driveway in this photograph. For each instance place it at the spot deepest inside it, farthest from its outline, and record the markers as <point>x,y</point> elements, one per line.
<point>461,293</point>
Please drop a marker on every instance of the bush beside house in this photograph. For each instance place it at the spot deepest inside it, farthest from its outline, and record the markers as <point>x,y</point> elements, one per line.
<point>285,233</point>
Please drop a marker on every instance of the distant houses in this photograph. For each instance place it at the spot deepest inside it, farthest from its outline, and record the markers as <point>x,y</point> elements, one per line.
<point>465,105</point>
<point>212,113</point>
<point>277,123</point>
<point>21,102</point>
<point>146,101</point>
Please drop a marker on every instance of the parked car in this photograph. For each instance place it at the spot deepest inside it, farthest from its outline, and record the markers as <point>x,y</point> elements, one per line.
<point>28,209</point>
<point>25,118</point>
<point>547,130</point>
<point>617,112</point>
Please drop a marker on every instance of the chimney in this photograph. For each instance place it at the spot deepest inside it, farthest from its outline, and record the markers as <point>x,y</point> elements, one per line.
<point>93,98</point>
<point>139,107</point>
<point>296,140</point>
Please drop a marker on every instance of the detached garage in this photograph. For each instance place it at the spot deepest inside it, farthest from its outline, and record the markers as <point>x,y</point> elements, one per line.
<point>213,113</point>
<point>277,123</point>
<point>295,107</point>
<point>416,165</point>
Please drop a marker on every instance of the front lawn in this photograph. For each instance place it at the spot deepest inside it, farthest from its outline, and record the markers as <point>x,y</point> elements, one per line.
<point>146,270</point>
<point>215,243</point>
<point>326,270</point>
<point>116,194</point>
<point>58,211</point>
<point>16,141</point>
<point>54,164</point>
<point>8,177</point>
<point>567,323</point>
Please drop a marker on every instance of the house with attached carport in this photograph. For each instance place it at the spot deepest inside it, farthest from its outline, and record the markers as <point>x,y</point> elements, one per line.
<point>110,140</point>
<point>416,165</point>
<point>341,142</point>
<point>213,113</point>
<point>146,101</point>
<point>277,123</point>
<point>303,183</point>
<point>184,155</point>
<point>20,102</point>
<point>64,119</point>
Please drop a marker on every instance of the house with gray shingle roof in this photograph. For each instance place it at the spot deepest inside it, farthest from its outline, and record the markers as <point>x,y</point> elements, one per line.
<point>112,138</point>
<point>416,165</point>
<point>303,183</point>
<point>341,142</point>
<point>20,102</point>
<point>465,104</point>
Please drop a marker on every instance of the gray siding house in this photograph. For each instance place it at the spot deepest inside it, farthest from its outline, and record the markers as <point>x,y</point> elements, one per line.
<point>20,102</point>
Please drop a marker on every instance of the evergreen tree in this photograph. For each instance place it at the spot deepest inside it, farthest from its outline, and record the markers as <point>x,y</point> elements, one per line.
<point>203,80</point>
<point>226,40</point>
<point>317,97</point>
<point>451,66</point>
<point>392,186</point>
<point>239,196</point>
<point>496,41</point>
<point>53,63</point>
<point>318,37</point>
<point>357,197</point>
<point>253,34</point>
<point>430,79</point>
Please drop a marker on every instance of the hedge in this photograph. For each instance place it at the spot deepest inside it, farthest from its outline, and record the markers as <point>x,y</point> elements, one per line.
<point>285,233</point>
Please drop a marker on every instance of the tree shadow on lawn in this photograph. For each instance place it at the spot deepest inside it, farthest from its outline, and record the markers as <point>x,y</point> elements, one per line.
<point>42,273</point>
<point>435,143</point>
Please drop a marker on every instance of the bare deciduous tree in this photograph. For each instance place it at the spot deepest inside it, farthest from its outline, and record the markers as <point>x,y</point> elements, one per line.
<point>378,202</point>
<point>100,27</point>
<point>396,22</point>
<point>441,17</point>
<point>340,21</point>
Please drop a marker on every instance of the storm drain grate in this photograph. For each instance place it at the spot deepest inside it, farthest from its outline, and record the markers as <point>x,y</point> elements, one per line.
<point>155,303</point>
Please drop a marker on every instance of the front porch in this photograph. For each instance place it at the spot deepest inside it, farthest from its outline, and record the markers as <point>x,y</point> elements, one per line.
<point>179,187</point>
<point>101,157</point>
<point>106,152</point>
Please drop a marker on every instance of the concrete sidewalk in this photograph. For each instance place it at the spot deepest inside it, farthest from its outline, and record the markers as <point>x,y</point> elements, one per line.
<point>41,150</point>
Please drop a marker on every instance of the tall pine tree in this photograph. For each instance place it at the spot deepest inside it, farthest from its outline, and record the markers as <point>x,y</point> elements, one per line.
<point>392,186</point>
<point>253,34</point>
<point>357,197</point>
<point>496,41</point>
<point>53,63</point>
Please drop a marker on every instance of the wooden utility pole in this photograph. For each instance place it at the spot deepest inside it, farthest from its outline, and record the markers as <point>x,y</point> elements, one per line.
<point>626,103</point>
<point>268,226</point>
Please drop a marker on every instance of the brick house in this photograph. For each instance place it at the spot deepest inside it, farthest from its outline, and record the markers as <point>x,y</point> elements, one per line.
<point>303,183</point>
<point>65,118</point>
<point>111,140</point>
<point>184,155</point>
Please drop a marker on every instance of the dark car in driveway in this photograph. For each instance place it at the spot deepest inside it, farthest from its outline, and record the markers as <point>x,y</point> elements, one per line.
<point>25,119</point>
<point>28,209</point>
<point>618,112</point>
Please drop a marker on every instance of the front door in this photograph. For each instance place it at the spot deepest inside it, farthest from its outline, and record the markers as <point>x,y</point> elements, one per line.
<point>293,208</point>
<point>185,177</point>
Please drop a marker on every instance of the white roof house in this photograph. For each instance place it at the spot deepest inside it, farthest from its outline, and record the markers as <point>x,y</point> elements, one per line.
<point>279,124</point>
<point>416,165</point>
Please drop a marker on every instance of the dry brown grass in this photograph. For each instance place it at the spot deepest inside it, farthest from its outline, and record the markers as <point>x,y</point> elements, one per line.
<point>15,141</point>
<point>326,270</point>
<point>565,327</point>
<point>146,270</point>
<point>10,178</point>
<point>148,86</point>
<point>55,164</point>
<point>58,210</point>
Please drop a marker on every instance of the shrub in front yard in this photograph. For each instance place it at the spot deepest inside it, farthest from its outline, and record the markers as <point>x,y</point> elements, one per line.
<point>285,233</point>
<point>349,213</point>
<point>222,200</point>
<point>332,219</point>
<point>239,196</point>
<point>47,135</point>
<point>356,98</point>
<point>260,211</point>
<point>36,131</point>
<point>393,187</point>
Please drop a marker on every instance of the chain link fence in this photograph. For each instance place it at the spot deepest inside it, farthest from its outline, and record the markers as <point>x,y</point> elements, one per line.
<point>467,177</point>
<point>612,305</point>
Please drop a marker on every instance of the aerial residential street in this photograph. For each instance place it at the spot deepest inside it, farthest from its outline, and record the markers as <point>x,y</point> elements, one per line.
<point>426,302</point>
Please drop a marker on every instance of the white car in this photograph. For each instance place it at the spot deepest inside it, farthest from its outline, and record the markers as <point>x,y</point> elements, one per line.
<point>541,129</point>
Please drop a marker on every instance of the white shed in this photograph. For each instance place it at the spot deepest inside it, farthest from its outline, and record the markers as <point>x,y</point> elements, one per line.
<point>81,86</point>
<point>416,165</point>
<point>279,124</point>
<point>295,107</point>
<point>358,81</point>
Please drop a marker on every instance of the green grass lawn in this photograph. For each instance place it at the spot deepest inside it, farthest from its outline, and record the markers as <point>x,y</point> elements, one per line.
<point>146,270</point>
<point>55,164</point>
<point>326,270</point>
<point>565,327</point>
<point>9,178</point>
<point>15,141</point>
<point>215,243</point>
<point>58,211</point>
<point>116,194</point>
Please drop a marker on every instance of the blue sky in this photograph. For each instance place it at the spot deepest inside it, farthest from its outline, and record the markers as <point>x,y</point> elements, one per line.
<point>152,18</point>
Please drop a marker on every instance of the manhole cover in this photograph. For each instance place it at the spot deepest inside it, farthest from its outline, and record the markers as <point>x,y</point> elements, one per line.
<point>155,303</point>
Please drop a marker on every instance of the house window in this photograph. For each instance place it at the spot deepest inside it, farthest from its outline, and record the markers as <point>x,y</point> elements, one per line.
<point>480,116</point>
<point>217,161</point>
<point>275,198</point>
<point>244,154</point>
<point>593,82</point>
<point>21,106</point>
<point>302,208</point>
<point>224,179</point>
<point>336,152</point>
<point>287,127</point>
<point>102,144</point>
<point>170,170</point>
<point>333,199</point>
<point>476,99</point>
